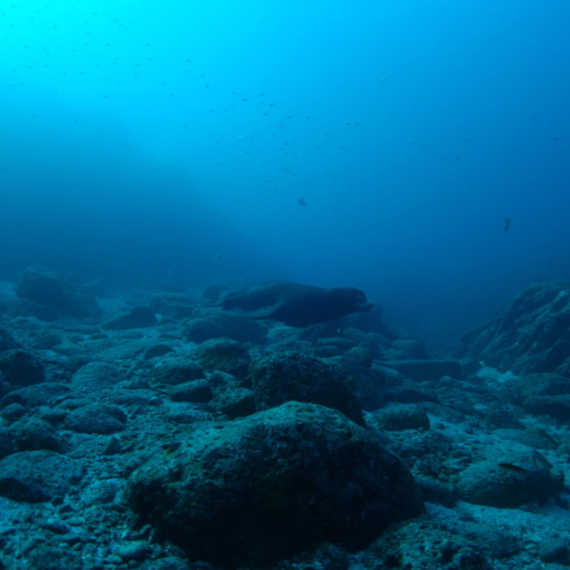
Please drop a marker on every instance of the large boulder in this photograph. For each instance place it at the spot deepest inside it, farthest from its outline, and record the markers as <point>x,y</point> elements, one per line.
<point>95,377</point>
<point>58,292</point>
<point>7,342</point>
<point>509,475</point>
<point>543,394</point>
<point>284,377</point>
<point>198,330</point>
<point>39,476</point>
<point>174,370</point>
<point>258,490</point>
<point>20,368</point>
<point>531,335</point>
<point>225,355</point>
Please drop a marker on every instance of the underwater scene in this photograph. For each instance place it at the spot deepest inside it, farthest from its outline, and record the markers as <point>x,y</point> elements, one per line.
<point>284,285</point>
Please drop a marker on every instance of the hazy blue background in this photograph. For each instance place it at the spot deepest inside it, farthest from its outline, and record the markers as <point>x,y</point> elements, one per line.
<point>140,139</point>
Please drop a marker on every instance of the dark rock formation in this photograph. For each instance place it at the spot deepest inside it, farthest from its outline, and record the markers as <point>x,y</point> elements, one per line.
<point>261,489</point>
<point>423,544</point>
<point>284,377</point>
<point>173,370</point>
<point>6,341</point>
<point>509,476</point>
<point>543,394</point>
<point>531,335</point>
<point>198,330</point>
<point>399,418</point>
<point>96,418</point>
<point>35,395</point>
<point>197,391</point>
<point>293,304</point>
<point>235,403</point>
<point>225,355</point>
<point>94,377</point>
<point>59,293</point>
<point>34,434</point>
<point>38,476</point>
<point>20,368</point>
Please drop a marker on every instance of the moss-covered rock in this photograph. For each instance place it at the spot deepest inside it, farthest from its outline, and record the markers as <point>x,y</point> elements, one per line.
<point>258,490</point>
<point>225,355</point>
<point>401,418</point>
<point>199,330</point>
<point>173,370</point>
<point>291,376</point>
<point>20,368</point>
<point>509,476</point>
<point>59,292</point>
<point>235,403</point>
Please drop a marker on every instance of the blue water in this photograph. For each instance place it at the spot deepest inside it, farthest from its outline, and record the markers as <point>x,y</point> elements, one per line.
<point>142,139</point>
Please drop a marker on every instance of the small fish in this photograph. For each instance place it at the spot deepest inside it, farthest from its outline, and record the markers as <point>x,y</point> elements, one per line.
<point>507,223</point>
<point>170,447</point>
<point>512,467</point>
<point>302,202</point>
